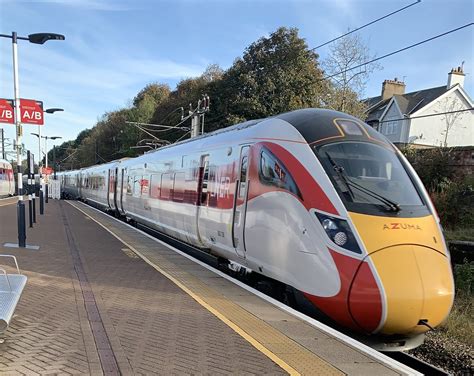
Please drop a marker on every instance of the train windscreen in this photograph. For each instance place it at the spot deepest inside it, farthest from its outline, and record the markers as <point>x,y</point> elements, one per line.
<point>369,176</point>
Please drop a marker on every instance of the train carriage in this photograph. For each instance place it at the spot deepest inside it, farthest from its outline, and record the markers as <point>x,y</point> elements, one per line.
<point>314,199</point>
<point>7,179</point>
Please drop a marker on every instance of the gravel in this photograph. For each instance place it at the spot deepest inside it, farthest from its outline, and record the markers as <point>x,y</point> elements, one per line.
<point>447,353</point>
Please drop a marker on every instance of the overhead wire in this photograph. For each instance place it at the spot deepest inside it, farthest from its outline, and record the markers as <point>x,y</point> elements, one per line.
<point>400,50</point>
<point>428,115</point>
<point>367,24</point>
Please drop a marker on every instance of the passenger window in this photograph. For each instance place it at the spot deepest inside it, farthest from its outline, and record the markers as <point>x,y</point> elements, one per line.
<point>155,184</point>
<point>137,188</point>
<point>272,172</point>
<point>129,185</point>
<point>145,185</point>
<point>178,187</point>
<point>166,186</point>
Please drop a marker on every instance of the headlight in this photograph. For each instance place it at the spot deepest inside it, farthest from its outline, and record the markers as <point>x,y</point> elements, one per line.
<point>339,232</point>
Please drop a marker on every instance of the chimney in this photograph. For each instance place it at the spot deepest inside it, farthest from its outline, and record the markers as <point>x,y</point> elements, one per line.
<point>456,76</point>
<point>392,87</point>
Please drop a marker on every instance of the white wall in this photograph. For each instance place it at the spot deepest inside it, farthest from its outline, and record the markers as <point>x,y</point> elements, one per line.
<point>431,130</point>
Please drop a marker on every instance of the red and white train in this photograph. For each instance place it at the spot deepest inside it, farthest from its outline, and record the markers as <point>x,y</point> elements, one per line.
<point>315,199</point>
<point>7,179</point>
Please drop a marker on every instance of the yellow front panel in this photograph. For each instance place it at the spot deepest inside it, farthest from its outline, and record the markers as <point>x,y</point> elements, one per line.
<point>398,271</point>
<point>414,270</point>
<point>380,232</point>
<point>438,285</point>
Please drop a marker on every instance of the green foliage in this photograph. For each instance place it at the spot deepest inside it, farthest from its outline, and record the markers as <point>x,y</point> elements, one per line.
<point>276,74</point>
<point>432,165</point>
<point>452,193</point>
<point>454,201</point>
<point>464,278</point>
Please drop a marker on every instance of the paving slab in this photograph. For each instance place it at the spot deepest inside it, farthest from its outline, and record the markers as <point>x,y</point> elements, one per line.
<point>151,325</point>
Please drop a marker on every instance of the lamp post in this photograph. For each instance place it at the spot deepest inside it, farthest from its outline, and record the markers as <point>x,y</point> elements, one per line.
<point>40,172</point>
<point>40,188</point>
<point>39,38</point>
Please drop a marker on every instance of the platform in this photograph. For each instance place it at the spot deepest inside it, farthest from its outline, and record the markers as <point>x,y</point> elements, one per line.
<point>105,298</point>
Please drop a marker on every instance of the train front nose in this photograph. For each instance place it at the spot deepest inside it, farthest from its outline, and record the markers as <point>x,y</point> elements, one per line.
<point>418,286</point>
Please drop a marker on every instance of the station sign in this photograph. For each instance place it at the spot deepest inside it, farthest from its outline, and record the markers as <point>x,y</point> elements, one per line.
<point>31,111</point>
<point>6,111</point>
<point>46,170</point>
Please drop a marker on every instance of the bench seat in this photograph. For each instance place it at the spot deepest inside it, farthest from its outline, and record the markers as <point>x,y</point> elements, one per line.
<point>11,288</point>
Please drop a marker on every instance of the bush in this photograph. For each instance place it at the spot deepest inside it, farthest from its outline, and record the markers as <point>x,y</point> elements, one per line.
<point>464,279</point>
<point>452,192</point>
<point>433,166</point>
<point>454,202</point>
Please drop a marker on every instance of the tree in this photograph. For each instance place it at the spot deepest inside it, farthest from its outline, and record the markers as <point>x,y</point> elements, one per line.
<point>276,74</point>
<point>451,109</point>
<point>348,84</point>
<point>146,101</point>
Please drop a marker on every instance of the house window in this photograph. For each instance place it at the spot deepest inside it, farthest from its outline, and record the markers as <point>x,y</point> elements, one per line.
<point>391,127</point>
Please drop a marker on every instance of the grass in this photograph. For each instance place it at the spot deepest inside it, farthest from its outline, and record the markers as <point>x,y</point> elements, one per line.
<point>459,324</point>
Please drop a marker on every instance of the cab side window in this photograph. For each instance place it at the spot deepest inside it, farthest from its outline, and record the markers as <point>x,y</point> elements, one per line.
<point>273,173</point>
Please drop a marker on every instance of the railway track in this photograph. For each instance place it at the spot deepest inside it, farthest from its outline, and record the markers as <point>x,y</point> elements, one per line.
<point>402,357</point>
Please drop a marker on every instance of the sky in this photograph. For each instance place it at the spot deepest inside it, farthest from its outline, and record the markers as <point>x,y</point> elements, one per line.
<point>113,48</point>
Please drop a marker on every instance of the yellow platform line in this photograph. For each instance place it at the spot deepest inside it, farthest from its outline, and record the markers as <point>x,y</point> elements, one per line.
<point>304,360</point>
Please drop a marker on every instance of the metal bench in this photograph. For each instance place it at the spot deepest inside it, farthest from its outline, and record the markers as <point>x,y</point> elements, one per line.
<point>11,287</point>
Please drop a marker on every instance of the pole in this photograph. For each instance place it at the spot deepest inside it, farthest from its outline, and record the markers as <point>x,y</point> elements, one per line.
<point>40,168</point>
<point>3,144</point>
<point>46,149</point>
<point>34,208</point>
<point>40,158</point>
<point>30,206</point>
<point>19,133</point>
<point>46,160</point>
<point>33,187</point>
<point>54,161</point>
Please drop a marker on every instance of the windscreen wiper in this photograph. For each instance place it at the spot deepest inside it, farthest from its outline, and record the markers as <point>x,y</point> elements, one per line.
<point>341,173</point>
<point>392,205</point>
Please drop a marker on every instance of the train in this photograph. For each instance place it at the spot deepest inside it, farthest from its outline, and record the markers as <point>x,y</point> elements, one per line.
<point>7,179</point>
<point>313,199</point>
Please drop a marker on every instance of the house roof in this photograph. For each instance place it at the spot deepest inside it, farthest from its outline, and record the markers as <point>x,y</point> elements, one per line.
<point>408,102</point>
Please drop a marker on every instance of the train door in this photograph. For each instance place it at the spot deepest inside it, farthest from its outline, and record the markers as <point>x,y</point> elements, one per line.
<point>114,198</point>
<point>122,182</point>
<point>110,185</point>
<point>240,202</point>
<point>202,199</point>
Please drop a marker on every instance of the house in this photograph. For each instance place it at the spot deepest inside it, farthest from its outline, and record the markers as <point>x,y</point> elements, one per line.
<point>439,116</point>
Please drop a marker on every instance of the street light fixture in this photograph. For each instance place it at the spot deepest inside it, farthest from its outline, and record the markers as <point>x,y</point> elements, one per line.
<point>53,110</point>
<point>38,38</point>
<point>46,138</point>
<point>41,38</point>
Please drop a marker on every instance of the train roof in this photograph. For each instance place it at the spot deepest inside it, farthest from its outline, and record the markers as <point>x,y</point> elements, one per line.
<point>314,124</point>
<point>321,125</point>
<point>5,162</point>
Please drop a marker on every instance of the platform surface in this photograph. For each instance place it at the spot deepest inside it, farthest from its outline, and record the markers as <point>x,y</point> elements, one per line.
<point>102,298</point>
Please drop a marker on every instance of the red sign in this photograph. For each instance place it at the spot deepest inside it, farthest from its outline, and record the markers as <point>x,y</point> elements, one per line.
<point>6,111</point>
<point>31,111</point>
<point>47,170</point>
